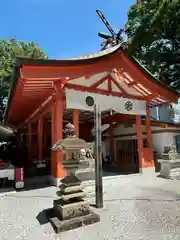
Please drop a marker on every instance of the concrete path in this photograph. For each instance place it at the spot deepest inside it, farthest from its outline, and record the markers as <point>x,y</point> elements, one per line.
<point>135,207</point>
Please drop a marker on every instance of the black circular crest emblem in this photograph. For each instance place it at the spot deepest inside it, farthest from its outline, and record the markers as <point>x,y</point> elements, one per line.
<point>90,101</point>
<point>128,105</point>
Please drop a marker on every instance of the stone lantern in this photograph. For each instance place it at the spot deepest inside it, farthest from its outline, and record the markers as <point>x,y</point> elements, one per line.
<point>71,210</point>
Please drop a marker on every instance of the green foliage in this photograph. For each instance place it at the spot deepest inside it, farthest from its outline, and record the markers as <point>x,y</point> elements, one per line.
<point>154,38</point>
<point>9,50</point>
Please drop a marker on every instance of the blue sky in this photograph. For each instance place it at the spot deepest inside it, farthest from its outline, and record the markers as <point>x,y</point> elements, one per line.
<point>62,28</point>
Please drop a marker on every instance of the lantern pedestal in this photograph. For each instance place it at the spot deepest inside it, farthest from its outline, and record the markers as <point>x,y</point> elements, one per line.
<point>71,210</point>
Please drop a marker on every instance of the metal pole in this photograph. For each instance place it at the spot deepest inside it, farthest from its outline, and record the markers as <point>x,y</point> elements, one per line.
<point>98,157</point>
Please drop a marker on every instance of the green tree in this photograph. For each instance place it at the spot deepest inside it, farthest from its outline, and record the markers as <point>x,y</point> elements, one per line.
<point>9,50</point>
<point>154,38</point>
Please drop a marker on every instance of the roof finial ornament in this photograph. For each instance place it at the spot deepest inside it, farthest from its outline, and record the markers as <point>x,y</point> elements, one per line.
<point>112,39</point>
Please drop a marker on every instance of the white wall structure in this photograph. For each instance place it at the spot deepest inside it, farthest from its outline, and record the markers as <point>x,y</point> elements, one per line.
<point>161,136</point>
<point>161,140</point>
<point>169,113</point>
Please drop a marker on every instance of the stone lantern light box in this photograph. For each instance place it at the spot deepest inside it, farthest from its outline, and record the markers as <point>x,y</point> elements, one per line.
<point>71,148</point>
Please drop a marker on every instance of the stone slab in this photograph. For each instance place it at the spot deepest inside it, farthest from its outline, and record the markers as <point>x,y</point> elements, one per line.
<point>149,170</point>
<point>61,226</point>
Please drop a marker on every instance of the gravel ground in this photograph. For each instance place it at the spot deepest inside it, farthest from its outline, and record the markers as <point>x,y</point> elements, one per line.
<point>135,207</point>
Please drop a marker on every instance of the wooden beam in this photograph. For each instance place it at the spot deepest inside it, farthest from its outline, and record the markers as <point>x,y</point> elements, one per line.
<point>132,83</point>
<point>99,82</point>
<point>41,110</point>
<point>118,85</point>
<point>92,90</point>
<point>116,118</point>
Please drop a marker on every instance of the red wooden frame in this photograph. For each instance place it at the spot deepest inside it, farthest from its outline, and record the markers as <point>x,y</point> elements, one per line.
<point>36,84</point>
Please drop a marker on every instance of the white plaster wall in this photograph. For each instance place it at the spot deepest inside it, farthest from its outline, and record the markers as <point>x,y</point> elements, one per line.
<point>154,113</point>
<point>121,130</point>
<point>164,112</point>
<point>167,113</point>
<point>160,140</point>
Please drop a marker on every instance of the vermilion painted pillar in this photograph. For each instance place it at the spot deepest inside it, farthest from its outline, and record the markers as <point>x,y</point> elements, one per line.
<point>139,141</point>
<point>146,162</point>
<point>57,134</point>
<point>53,122</point>
<point>29,142</point>
<point>40,139</point>
<point>76,121</point>
<point>45,145</point>
<point>148,127</point>
<point>148,153</point>
<point>53,138</point>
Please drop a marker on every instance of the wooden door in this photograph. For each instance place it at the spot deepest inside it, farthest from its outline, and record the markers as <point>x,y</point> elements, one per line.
<point>127,156</point>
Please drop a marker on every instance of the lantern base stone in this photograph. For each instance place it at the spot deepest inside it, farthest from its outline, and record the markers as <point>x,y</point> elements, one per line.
<point>65,211</point>
<point>61,226</point>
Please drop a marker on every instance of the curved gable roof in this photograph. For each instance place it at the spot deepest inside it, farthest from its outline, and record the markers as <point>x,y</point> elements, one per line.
<point>32,81</point>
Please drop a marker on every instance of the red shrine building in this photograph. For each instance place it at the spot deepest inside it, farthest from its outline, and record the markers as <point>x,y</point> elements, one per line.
<point>46,94</point>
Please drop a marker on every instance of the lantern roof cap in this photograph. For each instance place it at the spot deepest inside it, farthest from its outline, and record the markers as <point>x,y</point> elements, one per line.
<point>70,143</point>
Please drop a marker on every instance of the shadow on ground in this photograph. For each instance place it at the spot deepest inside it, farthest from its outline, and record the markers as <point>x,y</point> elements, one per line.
<point>44,216</point>
<point>35,186</point>
<point>111,172</point>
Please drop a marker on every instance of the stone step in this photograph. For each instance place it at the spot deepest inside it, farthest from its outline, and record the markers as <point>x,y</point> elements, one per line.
<point>61,192</point>
<point>70,181</point>
<point>70,161</point>
<point>71,165</point>
<point>65,189</point>
<point>73,195</point>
